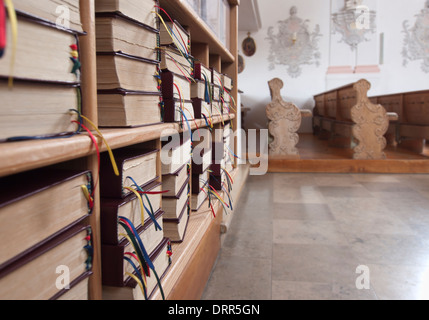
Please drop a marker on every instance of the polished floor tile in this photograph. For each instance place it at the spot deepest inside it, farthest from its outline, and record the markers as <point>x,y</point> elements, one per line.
<point>306,236</point>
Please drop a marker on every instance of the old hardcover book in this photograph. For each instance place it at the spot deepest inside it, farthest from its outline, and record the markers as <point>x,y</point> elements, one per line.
<point>115,267</point>
<point>227,81</point>
<point>175,152</point>
<point>41,204</point>
<point>175,229</point>
<point>116,70</point>
<point>217,107</point>
<point>53,102</point>
<point>135,167</point>
<point>202,109</point>
<point>78,290</point>
<point>198,89</point>
<point>64,12</point>
<point>217,92</point>
<point>202,152</point>
<point>172,182</point>
<point>199,181</point>
<point>172,60</point>
<point>143,11</point>
<point>216,78</point>
<point>122,108</point>
<point>173,205</point>
<point>173,34</point>
<point>36,275</point>
<point>116,32</point>
<point>130,290</point>
<point>202,72</point>
<point>42,52</point>
<point>218,160</point>
<point>111,209</point>
<point>175,86</point>
<point>176,110</point>
<point>198,199</point>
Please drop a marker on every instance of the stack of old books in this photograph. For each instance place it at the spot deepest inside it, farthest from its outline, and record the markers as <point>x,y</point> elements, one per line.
<point>127,35</point>
<point>175,159</point>
<point>176,72</point>
<point>228,101</point>
<point>218,92</point>
<point>134,246</point>
<point>201,162</point>
<point>202,91</point>
<point>43,214</point>
<point>39,71</point>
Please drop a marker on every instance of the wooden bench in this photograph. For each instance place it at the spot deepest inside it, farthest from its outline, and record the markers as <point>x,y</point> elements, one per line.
<point>412,126</point>
<point>348,118</point>
<point>284,122</point>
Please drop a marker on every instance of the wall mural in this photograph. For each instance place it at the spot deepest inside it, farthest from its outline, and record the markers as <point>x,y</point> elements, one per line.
<point>416,43</point>
<point>293,45</point>
<point>354,22</point>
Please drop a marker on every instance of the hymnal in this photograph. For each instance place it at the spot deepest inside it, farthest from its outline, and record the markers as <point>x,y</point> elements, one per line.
<point>199,198</point>
<point>173,205</point>
<point>51,10</point>
<point>130,290</point>
<point>41,203</point>
<point>111,209</point>
<point>175,229</point>
<point>117,70</point>
<point>175,86</point>
<point>227,81</point>
<point>175,153</point>
<point>174,35</point>
<point>150,237</point>
<point>176,110</point>
<point>173,182</point>
<point>217,92</point>
<point>216,78</point>
<point>78,290</point>
<point>199,181</point>
<point>172,60</point>
<point>37,274</point>
<point>122,108</point>
<point>135,167</point>
<point>198,89</point>
<point>201,108</point>
<point>218,160</point>
<point>201,72</point>
<point>53,102</point>
<point>42,52</point>
<point>141,10</point>
<point>118,33</point>
<point>201,160</point>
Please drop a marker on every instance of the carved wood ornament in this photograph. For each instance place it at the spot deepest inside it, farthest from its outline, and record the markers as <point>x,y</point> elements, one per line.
<point>371,124</point>
<point>285,121</point>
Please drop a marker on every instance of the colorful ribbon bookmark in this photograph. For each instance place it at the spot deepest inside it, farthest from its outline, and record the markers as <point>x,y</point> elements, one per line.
<point>3,35</point>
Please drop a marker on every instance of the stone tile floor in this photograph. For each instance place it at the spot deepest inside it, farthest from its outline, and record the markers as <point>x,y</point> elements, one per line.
<point>303,236</point>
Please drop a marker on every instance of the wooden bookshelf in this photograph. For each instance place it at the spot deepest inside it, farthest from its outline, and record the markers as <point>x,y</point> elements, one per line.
<point>16,157</point>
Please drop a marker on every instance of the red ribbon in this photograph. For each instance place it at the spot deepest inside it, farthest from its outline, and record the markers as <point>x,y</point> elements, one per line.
<point>3,34</point>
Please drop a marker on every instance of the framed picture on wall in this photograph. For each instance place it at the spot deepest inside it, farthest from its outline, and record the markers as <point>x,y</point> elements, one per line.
<point>249,46</point>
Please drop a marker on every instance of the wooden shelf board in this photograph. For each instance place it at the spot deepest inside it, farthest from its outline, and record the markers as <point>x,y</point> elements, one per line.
<point>20,156</point>
<point>200,32</point>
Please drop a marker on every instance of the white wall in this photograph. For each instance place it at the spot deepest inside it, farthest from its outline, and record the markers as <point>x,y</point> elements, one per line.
<point>394,77</point>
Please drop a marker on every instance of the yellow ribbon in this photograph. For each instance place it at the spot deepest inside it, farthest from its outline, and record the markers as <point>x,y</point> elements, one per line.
<point>140,200</point>
<point>112,158</point>
<point>141,268</point>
